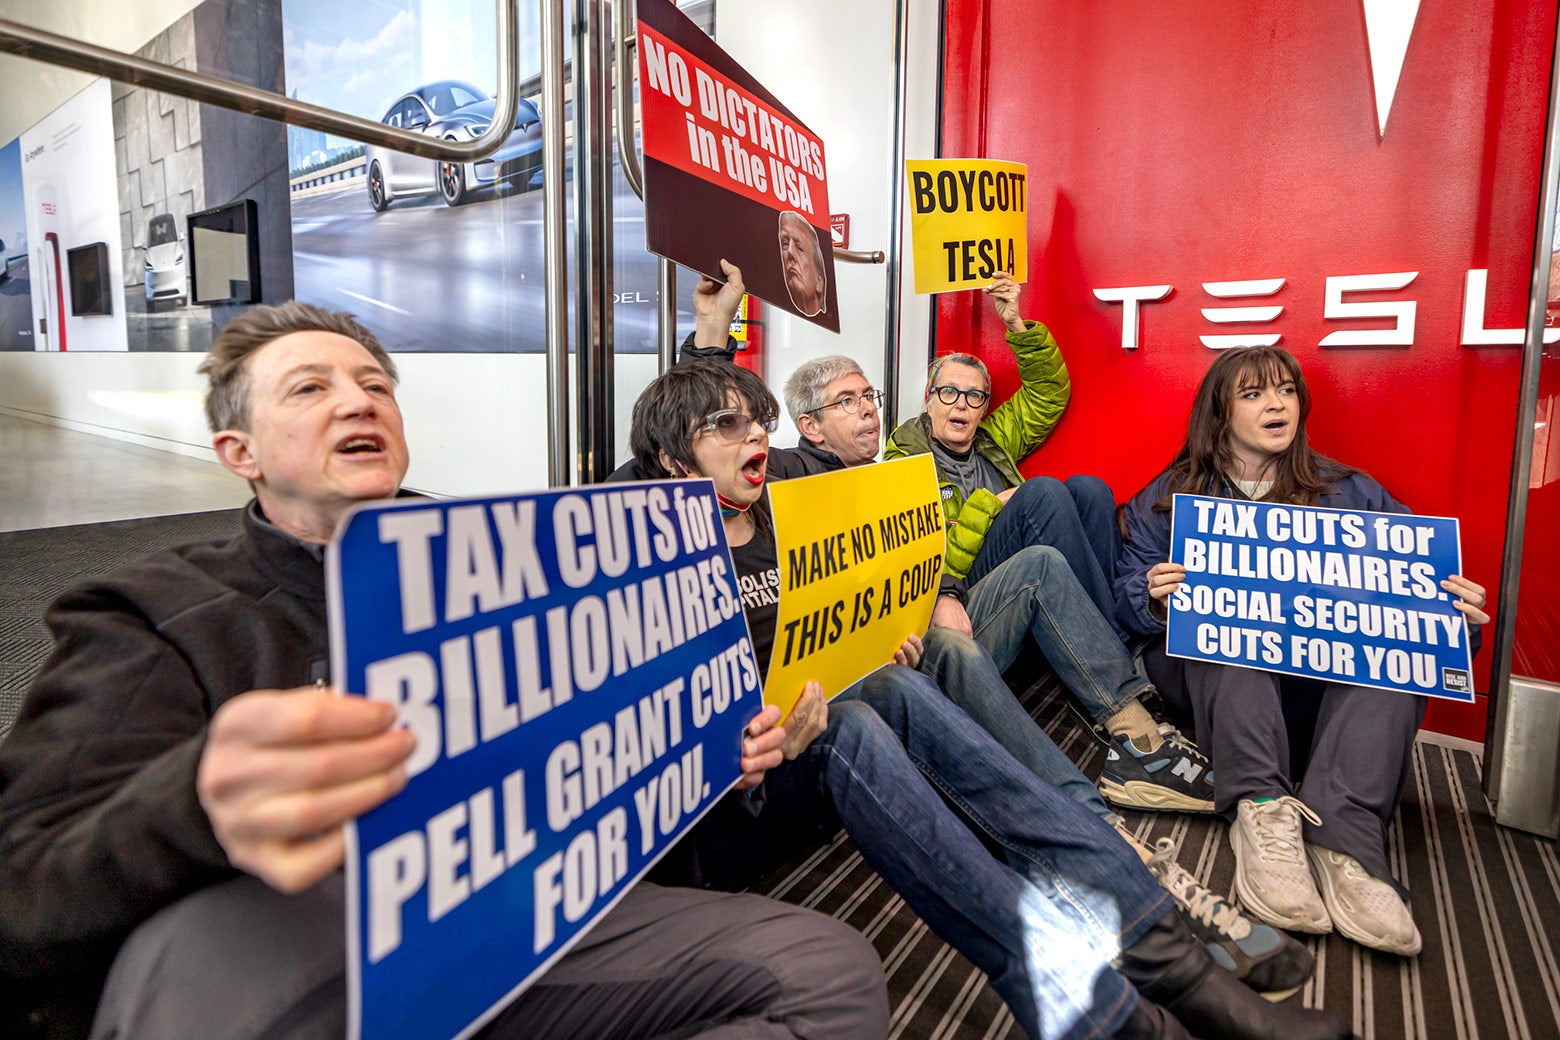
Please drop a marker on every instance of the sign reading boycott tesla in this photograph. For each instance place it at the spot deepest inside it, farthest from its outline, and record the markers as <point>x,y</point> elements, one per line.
<point>577,671</point>
<point>968,220</point>
<point>1340,595</point>
<point>860,555</point>
<point>730,172</point>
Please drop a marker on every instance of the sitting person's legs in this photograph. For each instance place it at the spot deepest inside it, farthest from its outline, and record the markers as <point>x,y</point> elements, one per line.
<point>1009,928</point>
<point>1265,959</point>
<point>1095,892</point>
<point>1096,505</point>
<point>1042,511</point>
<point>241,960</point>
<point>966,673</point>
<point>1034,594</point>
<point>1360,755</point>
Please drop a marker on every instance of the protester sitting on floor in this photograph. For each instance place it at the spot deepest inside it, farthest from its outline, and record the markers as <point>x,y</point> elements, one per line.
<point>172,795</point>
<point>1032,594</point>
<point>1246,439</point>
<point>1035,594</point>
<point>993,511</point>
<point>1066,899</point>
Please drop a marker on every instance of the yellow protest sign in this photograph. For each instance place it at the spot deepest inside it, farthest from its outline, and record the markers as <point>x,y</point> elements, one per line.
<point>968,220</point>
<point>860,555</point>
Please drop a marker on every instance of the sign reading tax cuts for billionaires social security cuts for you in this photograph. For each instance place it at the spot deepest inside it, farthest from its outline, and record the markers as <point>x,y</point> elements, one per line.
<point>577,671</point>
<point>1334,594</point>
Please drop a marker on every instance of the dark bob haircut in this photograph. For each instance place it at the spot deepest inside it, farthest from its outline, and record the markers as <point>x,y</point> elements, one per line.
<point>672,408</point>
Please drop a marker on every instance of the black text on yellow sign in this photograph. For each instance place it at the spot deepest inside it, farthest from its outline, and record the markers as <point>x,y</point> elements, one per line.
<point>968,220</point>
<point>860,555</point>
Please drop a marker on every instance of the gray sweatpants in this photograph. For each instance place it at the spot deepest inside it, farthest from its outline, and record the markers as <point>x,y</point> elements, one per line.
<point>240,961</point>
<point>1359,748</point>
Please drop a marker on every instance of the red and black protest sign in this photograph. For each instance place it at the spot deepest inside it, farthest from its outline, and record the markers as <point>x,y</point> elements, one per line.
<point>730,172</point>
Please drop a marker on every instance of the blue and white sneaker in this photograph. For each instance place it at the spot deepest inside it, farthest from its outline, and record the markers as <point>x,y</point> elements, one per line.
<point>1262,957</point>
<point>1175,778</point>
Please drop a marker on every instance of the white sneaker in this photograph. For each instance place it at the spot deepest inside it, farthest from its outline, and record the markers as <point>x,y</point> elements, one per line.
<point>1271,878</point>
<point>1365,908</point>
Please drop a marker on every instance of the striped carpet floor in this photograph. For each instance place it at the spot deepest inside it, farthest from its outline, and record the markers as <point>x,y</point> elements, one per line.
<point>1487,900</point>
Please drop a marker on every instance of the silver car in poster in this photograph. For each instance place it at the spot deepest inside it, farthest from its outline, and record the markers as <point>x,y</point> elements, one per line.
<point>455,111</point>
<point>164,263</point>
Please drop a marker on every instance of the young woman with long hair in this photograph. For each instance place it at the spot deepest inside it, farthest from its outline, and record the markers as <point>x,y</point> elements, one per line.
<point>1309,835</point>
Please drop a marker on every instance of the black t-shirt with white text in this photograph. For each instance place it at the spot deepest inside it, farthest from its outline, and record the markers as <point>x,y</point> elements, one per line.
<point>758,579</point>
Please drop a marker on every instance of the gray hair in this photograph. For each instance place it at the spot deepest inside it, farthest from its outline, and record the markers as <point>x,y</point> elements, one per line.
<point>804,390</point>
<point>955,359</point>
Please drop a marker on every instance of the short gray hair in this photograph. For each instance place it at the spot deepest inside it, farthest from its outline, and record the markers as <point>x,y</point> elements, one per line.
<point>804,390</point>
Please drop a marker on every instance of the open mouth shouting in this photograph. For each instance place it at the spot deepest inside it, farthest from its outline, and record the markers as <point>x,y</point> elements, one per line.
<point>361,445</point>
<point>753,470</point>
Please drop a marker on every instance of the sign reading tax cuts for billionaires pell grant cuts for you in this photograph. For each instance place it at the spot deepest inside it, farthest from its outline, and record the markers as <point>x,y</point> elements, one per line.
<point>576,668</point>
<point>730,172</point>
<point>1340,595</point>
<point>860,553</point>
<point>969,219</point>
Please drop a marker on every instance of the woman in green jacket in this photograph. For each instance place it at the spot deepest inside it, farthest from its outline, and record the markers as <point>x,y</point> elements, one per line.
<point>992,511</point>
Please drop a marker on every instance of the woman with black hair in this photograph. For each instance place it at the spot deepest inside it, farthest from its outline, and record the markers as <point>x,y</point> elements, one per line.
<point>1310,852</point>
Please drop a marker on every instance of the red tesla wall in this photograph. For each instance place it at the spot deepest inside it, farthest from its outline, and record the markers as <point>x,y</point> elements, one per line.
<point>1183,144</point>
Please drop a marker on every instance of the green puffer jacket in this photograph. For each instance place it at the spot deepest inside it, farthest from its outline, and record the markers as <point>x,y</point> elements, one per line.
<point>1014,428</point>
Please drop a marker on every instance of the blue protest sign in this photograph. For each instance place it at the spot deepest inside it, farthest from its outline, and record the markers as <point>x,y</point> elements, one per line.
<point>1335,594</point>
<point>577,670</point>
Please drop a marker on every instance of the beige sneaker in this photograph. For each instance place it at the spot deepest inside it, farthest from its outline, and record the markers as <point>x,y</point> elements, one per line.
<point>1365,908</point>
<point>1271,878</point>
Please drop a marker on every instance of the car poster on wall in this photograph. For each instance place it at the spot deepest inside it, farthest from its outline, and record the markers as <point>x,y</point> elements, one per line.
<point>440,257</point>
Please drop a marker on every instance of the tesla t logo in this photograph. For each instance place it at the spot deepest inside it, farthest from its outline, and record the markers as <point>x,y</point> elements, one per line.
<point>1401,312</point>
<point>1388,26</point>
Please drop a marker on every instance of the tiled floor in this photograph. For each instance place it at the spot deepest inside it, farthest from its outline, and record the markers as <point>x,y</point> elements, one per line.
<point>51,477</point>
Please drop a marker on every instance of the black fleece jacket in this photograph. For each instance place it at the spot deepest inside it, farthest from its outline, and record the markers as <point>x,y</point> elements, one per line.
<point>100,825</point>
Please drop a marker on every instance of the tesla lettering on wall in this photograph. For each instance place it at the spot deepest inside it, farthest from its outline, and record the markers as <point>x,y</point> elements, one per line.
<point>717,142</point>
<point>1401,313</point>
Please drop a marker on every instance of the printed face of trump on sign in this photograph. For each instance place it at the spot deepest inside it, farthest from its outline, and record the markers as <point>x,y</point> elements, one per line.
<point>801,261</point>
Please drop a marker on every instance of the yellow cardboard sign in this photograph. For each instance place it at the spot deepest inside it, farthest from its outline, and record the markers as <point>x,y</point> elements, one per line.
<point>739,322</point>
<point>860,555</point>
<point>968,220</point>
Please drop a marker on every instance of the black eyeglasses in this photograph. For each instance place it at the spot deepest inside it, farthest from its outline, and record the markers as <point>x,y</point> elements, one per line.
<point>950,394</point>
<point>850,404</point>
<point>733,425</point>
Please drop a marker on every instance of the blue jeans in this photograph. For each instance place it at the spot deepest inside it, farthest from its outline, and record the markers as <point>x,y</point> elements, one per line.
<point>918,786</point>
<point>969,677</point>
<point>1035,593</point>
<point>1077,517</point>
